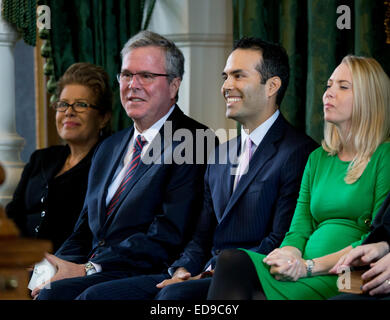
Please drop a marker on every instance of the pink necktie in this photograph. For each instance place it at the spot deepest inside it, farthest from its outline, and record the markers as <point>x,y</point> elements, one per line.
<point>243,166</point>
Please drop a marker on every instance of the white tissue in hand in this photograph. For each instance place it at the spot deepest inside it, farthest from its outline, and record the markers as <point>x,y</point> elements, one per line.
<point>43,271</point>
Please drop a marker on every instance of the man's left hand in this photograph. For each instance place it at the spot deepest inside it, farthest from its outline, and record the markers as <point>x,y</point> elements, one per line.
<point>378,276</point>
<point>65,269</point>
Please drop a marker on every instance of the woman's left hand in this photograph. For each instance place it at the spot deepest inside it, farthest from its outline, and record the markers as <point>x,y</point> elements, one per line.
<point>285,266</point>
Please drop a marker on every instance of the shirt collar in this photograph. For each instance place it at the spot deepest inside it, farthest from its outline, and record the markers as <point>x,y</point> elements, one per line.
<point>259,133</point>
<point>152,131</point>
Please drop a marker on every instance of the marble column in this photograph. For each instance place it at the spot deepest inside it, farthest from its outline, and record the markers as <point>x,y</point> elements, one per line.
<point>10,142</point>
<point>202,29</point>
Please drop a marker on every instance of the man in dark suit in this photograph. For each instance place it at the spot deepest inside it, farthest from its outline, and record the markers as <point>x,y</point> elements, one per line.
<point>376,250</point>
<point>141,199</point>
<point>248,206</point>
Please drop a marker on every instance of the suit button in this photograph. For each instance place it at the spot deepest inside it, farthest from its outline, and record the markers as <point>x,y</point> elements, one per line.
<point>101,243</point>
<point>43,199</point>
<point>43,213</point>
<point>36,229</point>
<point>217,252</point>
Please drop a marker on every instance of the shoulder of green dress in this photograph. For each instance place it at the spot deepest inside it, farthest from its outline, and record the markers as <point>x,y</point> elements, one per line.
<point>317,157</point>
<point>385,144</point>
<point>318,153</point>
<point>383,149</point>
<point>381,155</point>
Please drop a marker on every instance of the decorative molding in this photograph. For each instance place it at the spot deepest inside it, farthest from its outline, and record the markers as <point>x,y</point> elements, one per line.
<point>10,142</point>
<point>201,39</point>
<point>8,36</point>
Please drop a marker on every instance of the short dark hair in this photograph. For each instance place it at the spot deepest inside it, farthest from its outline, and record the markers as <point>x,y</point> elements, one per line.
<point>274,62</point>
<point>93,77</point>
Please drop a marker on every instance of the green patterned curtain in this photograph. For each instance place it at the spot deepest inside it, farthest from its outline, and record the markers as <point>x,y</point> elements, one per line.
<point>22,14</point>
<point>308,30</point>
<point>91,31</point>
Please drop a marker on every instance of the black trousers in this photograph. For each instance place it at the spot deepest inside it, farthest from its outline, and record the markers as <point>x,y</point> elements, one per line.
<point>350,296</point>
<point>70,289</point>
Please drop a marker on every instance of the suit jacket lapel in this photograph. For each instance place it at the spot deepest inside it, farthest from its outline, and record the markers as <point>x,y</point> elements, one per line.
<point>234,149</point>
<point>264,152</point>
<point>118,152</point>
<point>221,174</point>
<point>234,153</point>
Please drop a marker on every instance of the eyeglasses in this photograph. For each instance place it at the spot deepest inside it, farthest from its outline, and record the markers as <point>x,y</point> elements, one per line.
<point>78,106</point>
<point>144,78</point>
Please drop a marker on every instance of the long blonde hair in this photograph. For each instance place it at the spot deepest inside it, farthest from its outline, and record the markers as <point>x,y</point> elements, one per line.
<point>370,123</point>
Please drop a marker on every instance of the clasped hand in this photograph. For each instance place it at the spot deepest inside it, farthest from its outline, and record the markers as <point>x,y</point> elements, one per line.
<point>65,269</point>
<point>181,275</point>
<point>285,265</point>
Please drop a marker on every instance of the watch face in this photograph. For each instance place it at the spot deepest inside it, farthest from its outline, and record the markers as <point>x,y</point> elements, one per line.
<point>89,268</point>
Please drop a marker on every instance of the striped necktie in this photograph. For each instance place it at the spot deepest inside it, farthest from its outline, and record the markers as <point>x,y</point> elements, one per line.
<point>137,149</point>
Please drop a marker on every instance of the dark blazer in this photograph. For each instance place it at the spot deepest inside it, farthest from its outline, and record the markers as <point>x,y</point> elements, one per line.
<point>380,227</point>
<point>258,213</point>
<point>155,214</point>
<point>45,206</point>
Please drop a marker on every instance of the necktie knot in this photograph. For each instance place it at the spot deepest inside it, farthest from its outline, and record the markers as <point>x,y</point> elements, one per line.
<point>139,143</point>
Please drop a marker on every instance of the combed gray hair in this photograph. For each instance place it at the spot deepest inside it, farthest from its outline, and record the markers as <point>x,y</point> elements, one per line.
<point>174,59</point>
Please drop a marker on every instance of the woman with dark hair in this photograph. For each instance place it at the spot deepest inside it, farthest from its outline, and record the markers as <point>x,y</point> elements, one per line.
<point>344,184</point>
<point>51,191</point>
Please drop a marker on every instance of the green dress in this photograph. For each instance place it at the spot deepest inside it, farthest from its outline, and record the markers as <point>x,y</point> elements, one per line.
<point>330,215</point>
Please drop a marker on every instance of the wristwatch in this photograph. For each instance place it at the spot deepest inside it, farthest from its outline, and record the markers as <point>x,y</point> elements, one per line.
<point>89,268</point>
<point>309,267</point>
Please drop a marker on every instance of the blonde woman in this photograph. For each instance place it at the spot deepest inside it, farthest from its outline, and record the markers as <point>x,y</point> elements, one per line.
<point>343,186</point>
